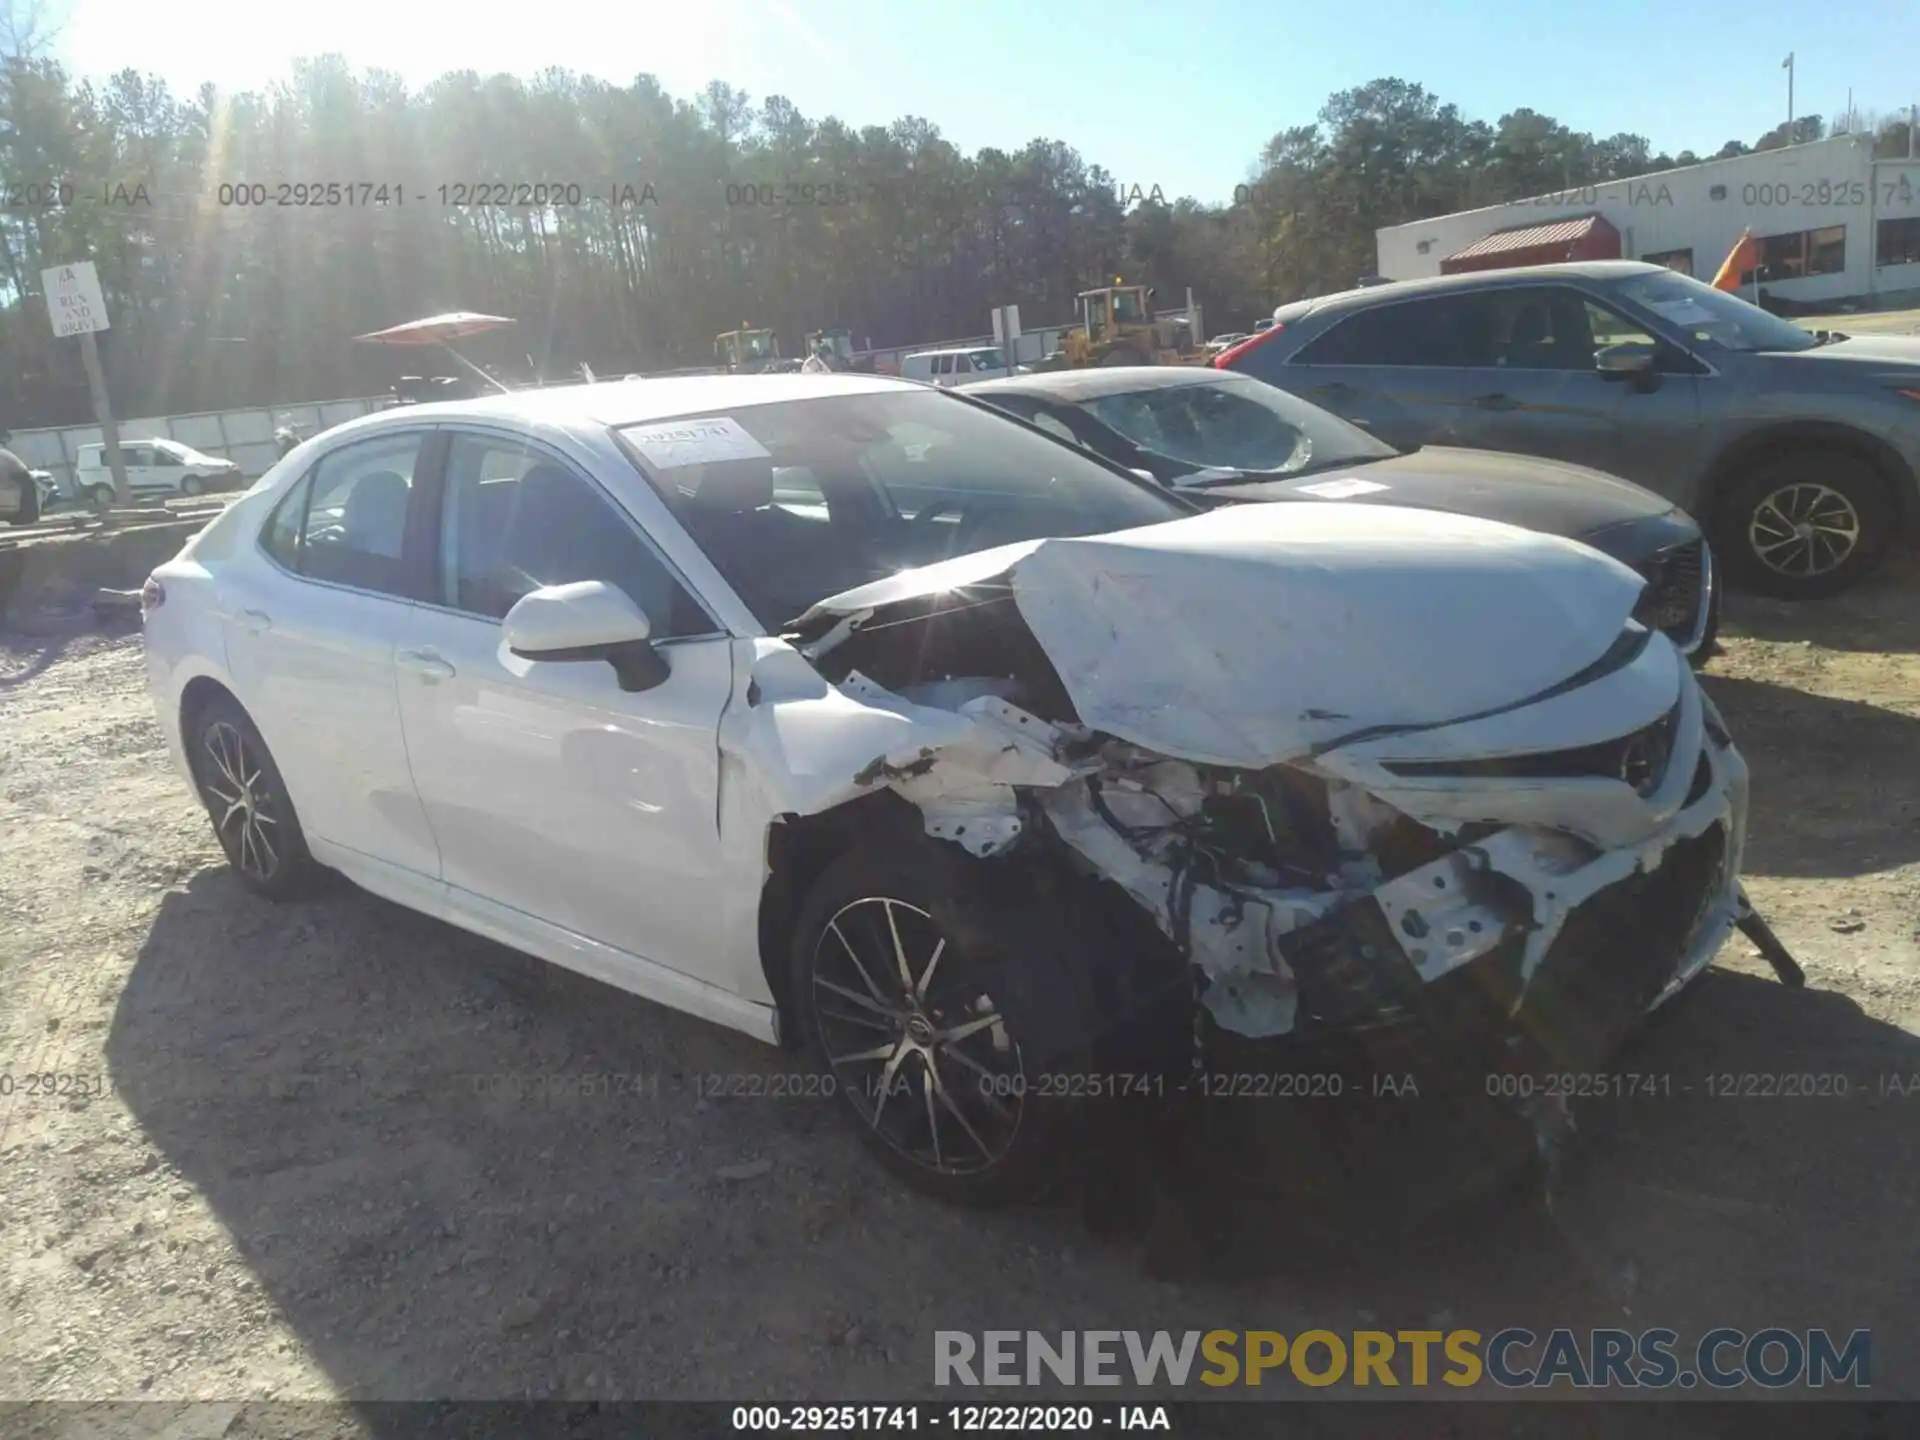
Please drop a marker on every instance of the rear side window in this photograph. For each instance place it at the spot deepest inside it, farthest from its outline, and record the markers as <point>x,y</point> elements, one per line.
<point>346,520</point>
<point>1446,331</point>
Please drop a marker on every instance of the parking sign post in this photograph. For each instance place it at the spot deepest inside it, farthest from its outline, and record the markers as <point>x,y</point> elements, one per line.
<point>76,307</point>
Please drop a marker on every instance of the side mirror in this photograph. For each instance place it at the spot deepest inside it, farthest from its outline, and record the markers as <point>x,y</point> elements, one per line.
<point>1629,359</point>
<point>587,620</point>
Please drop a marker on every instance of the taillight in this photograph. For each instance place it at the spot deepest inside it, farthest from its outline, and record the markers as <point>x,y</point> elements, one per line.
<point>152,596</point>
<point>1224,360</point>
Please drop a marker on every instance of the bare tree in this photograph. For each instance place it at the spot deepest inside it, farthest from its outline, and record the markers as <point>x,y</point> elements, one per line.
<point>27,29</point>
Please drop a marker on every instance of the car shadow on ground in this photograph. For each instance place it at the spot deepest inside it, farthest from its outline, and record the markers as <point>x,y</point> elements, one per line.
<point>357,1092</point>
<point>1843,769</point>
<point>1881,614</point>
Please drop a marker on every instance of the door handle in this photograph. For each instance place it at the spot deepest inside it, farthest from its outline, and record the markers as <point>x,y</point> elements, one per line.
<point>1496,402</point>
<point>256,620</point>
<point>427,664</point>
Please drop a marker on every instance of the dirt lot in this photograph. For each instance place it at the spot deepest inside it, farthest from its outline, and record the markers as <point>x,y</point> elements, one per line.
<point>288,1182</point>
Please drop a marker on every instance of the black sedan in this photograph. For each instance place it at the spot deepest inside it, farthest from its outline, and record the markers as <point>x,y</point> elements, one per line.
<point>1219,437</point>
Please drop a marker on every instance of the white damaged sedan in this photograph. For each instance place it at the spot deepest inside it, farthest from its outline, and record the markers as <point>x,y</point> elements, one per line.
<point>855,716</point>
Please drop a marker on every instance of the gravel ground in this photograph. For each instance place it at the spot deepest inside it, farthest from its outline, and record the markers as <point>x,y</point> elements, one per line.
<point>289,1176</point>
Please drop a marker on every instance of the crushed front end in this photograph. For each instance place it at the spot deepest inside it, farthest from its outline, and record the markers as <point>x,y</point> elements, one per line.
<point>1449,910</point>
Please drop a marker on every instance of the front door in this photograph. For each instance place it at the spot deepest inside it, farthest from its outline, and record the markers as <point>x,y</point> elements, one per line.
<point>1536,390</point>
<point>142,474</point>
<point>550,790</point>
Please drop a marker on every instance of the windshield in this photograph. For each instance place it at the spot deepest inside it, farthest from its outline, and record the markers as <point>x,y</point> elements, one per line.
<point>175,449</point>
<point>987,359</point>
<point>796,501</point>
<point>1235,423</point>
<point>1713,317</point>
<point>1127,306</point>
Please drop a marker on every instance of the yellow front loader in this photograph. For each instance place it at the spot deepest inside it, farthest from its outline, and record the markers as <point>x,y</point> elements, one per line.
<point>1116,327</point>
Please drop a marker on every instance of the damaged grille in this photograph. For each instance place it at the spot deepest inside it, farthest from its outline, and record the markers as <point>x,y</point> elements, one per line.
<point>1670,603</point>
<point>1640,759</point>
<point>1614,954</point>
<point>1618,950</point>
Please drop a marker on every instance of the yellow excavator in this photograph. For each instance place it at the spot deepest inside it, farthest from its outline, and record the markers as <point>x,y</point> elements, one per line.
<point>1116,327</point>
<point>746,351</point>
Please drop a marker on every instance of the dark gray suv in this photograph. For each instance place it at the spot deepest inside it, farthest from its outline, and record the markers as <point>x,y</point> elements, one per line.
<point>1797,450</point>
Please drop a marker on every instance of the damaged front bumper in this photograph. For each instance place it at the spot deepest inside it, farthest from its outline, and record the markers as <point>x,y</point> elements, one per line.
<point>1376,928</point>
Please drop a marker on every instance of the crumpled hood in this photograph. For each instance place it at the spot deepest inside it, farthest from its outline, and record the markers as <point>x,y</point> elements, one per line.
<point>1254,634</point>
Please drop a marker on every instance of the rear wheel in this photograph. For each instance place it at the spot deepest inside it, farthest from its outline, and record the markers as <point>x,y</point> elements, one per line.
<point>897,1013</point>
<point>247,802</point>
<point>100,497</point>
<point>1805,526</point>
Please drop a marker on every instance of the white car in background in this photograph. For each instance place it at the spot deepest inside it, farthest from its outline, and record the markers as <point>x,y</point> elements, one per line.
<point>153,466</point>
<point>857,716</point>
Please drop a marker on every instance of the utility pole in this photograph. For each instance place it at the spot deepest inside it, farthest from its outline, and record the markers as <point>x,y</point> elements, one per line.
<point>1787,65</point>
<point>75,307</point>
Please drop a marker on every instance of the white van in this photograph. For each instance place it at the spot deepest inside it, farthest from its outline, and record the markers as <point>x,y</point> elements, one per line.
<point>163,466</point>
<point>957,367</point>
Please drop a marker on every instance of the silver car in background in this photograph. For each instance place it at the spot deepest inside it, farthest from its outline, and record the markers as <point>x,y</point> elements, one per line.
<point>1797,450</point>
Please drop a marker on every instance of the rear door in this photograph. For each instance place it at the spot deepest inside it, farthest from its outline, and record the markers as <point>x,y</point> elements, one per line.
<point>310,636</point>
<point>1399,371</point>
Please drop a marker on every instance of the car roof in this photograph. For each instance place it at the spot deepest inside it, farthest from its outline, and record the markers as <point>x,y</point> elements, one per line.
<point>1473,279</point>
<point>1099,381</point>
<point>619,403</point>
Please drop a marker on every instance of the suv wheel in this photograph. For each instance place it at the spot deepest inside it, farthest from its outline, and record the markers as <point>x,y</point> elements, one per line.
<point>1805,526</point>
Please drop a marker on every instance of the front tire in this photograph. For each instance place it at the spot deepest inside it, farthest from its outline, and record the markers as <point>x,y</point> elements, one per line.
<point>192,485</point>
<point>1808,525</point>
<point>247,801</point>
<point>894,1009</point>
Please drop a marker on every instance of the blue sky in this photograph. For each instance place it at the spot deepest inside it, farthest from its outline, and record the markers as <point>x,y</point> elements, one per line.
<point>1179,95</point>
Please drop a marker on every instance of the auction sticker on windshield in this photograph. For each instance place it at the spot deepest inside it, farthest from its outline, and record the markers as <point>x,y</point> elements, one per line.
<point>674,444</point>
<point>1345,488</point>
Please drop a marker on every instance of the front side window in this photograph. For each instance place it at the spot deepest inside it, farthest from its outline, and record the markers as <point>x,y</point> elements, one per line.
<point>346,521</point>
<point>905,478</point>
<point>514,520</point>
<point>1235,424</point>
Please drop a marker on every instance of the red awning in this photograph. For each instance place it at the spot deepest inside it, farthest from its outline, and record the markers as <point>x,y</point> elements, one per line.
<point>1587,237</point>
<point>437,329</point>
